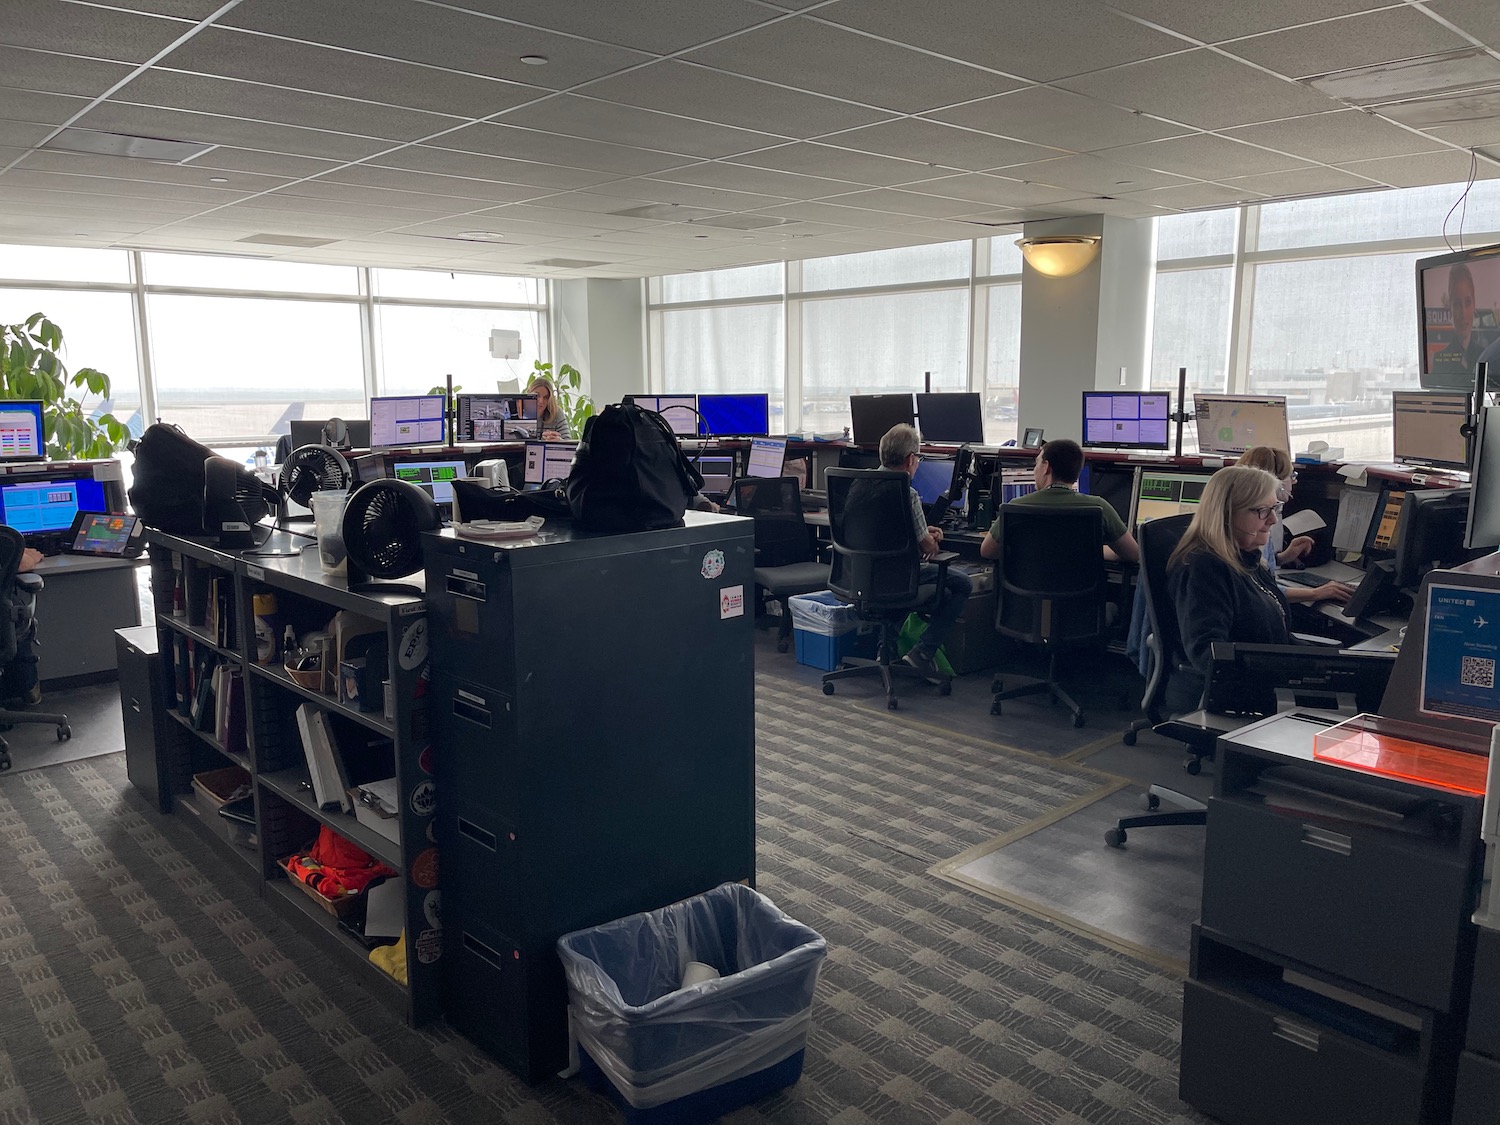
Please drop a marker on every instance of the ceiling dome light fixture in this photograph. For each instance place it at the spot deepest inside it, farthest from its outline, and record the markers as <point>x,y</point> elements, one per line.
<point>535,60</point>
<point>1060,255</point>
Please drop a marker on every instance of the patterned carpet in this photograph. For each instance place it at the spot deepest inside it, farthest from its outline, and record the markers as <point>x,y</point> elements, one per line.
<point>137,989</point>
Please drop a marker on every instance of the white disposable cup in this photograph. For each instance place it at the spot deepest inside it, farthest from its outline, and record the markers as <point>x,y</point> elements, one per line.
<point>697,972</point>
<point>328,522</point>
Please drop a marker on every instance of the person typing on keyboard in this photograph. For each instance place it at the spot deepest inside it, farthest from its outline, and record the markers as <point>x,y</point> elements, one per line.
<point>1278,463</point>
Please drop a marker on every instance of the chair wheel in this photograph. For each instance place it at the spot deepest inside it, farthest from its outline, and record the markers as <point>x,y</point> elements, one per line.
<point>1151,802</point>
<point>892,705</point>
<point>827,689</point>
<point>995,708</point>
<point>1078,720</point>
<point>945,688</point>
<point>1128,738</point>
<point>1114,837</point>
<point>997,686</point>
<point>1194,766</point>
<point>782,646</point>
<point>64,732</point>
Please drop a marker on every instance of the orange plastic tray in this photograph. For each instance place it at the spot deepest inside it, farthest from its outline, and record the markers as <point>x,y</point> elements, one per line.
<point>1391,756</point>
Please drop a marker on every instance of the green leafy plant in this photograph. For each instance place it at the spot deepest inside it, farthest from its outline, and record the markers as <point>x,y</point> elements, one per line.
<point>30,368</point>
<point>568,381</point>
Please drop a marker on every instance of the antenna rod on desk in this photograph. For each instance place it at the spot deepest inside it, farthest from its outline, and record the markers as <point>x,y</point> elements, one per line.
<point>927,382</point>
<point>450,416</point>
<point>1181,416</point>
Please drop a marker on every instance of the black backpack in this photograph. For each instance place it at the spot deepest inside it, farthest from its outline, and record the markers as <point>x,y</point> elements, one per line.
<point>630,474</point>
<point>167,480</point>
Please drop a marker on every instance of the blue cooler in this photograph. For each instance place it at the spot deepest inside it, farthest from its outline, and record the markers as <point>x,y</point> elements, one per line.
<point>826,630</point>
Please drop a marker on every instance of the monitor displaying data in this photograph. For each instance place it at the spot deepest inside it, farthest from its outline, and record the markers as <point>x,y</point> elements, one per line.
<point>1386,522</point>
<point>1014,483</point>
<point>548,460</point>
<point>433,477</point>
<point>494,417</point>
<point>1458,298</point>
<point>1230,424</point>
<point>767,457</point>
<point>1125,420</point>
<point>413,420</point>
<point>717,472</point>
<point>1482,529</point>
<point>21,430</point>
<point>1427,428</point>
<point>747,415</point>
<point>35,507</point>
<point>873,415</point>
<point>1458,658</point>
<point>952,418</point>
<point>932,478</point>
<point>679,411</point>
<point>1168,492</point>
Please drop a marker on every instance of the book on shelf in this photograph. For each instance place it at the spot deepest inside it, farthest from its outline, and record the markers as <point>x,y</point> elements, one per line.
<point>229,726</point>
<point>202,711</point>
<point>324,764</point>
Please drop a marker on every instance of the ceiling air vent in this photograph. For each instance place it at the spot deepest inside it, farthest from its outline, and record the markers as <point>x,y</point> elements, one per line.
<point>95,143</point>
<point>566,263</point>
<point>287,240</point>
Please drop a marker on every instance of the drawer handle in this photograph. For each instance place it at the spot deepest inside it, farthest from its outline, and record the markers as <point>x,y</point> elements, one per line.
<point>1334,842</point>
<point>1295,1034</point>
<point>484,952</point>
<point>135,705</point>
<point>477,834</point>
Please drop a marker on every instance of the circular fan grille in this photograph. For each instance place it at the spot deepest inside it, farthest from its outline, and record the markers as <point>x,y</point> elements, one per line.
<point>383,527</point>
<point>313,468</point>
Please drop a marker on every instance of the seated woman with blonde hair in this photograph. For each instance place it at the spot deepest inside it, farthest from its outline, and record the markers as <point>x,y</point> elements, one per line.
<point>1279,464</point>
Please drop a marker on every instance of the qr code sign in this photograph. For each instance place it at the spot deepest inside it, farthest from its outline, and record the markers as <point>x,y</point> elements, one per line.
<point>1477,672</point>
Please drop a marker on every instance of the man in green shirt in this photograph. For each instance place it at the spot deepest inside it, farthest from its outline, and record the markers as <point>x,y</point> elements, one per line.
<point>1056,472</point>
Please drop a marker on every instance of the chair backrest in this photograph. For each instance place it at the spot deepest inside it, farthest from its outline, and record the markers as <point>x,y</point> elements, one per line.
<point>1051,573</point>
<point>775,503</point>
<point>875,560</point>
<point>12,545</point>
<point>1158,539</point>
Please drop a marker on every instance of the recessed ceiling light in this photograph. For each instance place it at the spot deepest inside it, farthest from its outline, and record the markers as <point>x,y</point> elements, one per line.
<point>535,60</point>
<point>482,235</point>
<point>1123,183</point>
<point>700,236</point>
<point>218,179</point>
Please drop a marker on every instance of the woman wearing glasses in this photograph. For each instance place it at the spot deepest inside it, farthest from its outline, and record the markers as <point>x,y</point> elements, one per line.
<point>1279,465</point>
<point>1218,579</point>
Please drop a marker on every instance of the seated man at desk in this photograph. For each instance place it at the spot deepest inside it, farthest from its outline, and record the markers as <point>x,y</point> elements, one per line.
<point>1057,467</point>
<point>899,452</point>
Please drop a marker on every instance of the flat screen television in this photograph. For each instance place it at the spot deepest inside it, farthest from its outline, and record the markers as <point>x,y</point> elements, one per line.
<point>406,420</point>
<point>1458,300</point>
<point>38,505</point>
<point>746,415</point>
<point>1228,425</point>
<point>1125,420</point>
<point>952,418</point>
<point>1427,428</point>
<point>873,415</point>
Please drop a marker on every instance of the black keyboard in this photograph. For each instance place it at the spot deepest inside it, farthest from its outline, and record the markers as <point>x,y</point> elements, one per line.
<point>49,545</point>
<point>1299,578</point>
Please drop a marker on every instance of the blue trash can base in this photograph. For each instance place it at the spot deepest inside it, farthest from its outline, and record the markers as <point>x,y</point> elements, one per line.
<point>706,1105</point>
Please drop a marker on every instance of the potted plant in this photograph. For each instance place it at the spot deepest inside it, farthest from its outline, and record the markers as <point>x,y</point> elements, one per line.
<point>31,369</point>
<point>568,382</point>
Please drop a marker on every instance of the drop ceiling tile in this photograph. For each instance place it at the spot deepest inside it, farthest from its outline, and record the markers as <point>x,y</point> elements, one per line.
<point>96,33</point>
<point>58,74</point>
<point>836,163</point>
<point>906,203</point>
<point>1480,18</point>
<point>147,121</point>
<point>146,171</point>
<point>1190,197</point>
<point>940,145</point>
<point>641,128</point>
<point>1215,22</point>
<point>361,212</point>
<point>255,102</point>
<point>1037,41</point>
<point>582,220</point>
<point>183,9</point>
<point>1472,134</point>
<point>302,66</point>
<point>283,165</point>
<point>123,188</point>
<point>1418,171</point>
<point>1361,40</point>
<point>854,241</point>
<point>994,190</point>
<point>475,191</point>
<point>425,158</point>
<point>808,54</point>
<point>20,134</point>
<point>738,177</point>
<point>425,33</point>
<point>1201,88</point>
<point>732,100</point>
<point>1093,175</point>
<point>657,26</point>
<point>74,204</point>
<point>1306,181</point>
<point>1119,208</point>
<point>270,221</point>
<point>689,195</point>
<point>831,214</point>
<point>356,197</point>
<point>1057,118</point>
<point>948,230</point>
<point>548,148</point>
<point>1335,137</point>
<point>1204,156</point>
<point>44,109</point>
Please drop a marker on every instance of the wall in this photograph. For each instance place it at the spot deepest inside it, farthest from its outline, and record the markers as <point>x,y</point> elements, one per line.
<point>598,326</point>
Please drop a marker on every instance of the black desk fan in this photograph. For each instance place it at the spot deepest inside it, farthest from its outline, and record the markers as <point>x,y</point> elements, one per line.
<point>309,469</point>
<point>383,526</point>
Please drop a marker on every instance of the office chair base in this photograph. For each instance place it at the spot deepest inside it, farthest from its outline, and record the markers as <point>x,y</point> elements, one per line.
<point>861,666</point>
<point>1041,687</point>
<point>9,719</point>
<point>1188,811</point>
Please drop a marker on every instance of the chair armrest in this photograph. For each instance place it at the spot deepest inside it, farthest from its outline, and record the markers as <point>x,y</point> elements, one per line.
<point>1314,639</point>
<point>29,583</point>
<point>944,557</point>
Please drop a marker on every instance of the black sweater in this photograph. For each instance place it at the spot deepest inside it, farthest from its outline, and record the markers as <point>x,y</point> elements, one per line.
<point>1217,602</point>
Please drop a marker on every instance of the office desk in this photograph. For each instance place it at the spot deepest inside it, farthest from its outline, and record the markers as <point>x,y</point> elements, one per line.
<point>84,600</point>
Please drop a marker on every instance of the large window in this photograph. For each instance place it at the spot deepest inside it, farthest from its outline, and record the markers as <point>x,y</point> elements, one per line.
<point>728,349</point>
<point>99,332</point>
<point>421,345</point>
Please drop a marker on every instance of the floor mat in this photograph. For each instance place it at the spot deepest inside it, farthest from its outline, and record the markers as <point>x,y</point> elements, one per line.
<point>93,714</point>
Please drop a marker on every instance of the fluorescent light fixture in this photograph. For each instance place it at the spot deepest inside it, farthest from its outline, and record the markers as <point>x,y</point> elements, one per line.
<point>1059,255</point>
<point>1396,81</point>
<point>122,144</point>
<point>1452,109</point>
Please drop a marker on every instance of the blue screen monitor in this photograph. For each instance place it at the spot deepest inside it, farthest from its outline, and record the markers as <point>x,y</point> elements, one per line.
<point>950,418</point>
<point>433,477</point>
<point>1125,420</point>
<point>746,415</point>
<point>21,430</point>
<point>932,478</point>
<point>407,420</point>
<point>36,507</point>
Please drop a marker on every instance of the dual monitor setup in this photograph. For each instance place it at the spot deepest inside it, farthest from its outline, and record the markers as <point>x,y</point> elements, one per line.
<point>55,500</point>
<point>1227,424</point>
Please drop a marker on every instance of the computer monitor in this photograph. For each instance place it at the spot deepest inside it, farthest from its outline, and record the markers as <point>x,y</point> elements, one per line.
<point>1125,420</point>
<point>548,460</point>
<point>1230,424</point>
<point>494,417</point>
<point>1168,492</point>
<point>679,411</point>
<point>310,431</point>
<point>1457,300</point>
<point>48,504</point>
<point>742,415</point>
<point>1427,428</point>
<point>718,473</point>
<point>932,478</point>
<point>1482,527</point>
<point>852,458</point>
<point>1113,482</point>
<point>873,415</point>
<point>407,420</point>
<point>434,477</point>
<point>767,457</point>
<point>1380,539</point>
<point>1430,533</point>
<point>954,417</point>
<point>1262,679</point>
<point>21,430</point>
<point>1458,661</point>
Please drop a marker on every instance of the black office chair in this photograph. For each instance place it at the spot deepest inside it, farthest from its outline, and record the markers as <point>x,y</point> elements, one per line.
<point>877,568</point>
<point>18,627</point>
<point>1052,588</point>
<point>785,561</point>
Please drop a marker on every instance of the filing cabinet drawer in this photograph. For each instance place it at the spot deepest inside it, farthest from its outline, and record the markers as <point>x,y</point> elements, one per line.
<point>1351,902</point>
<point>482,863</point>
<point>477,728</point>
<point>1477,1096</point>
<point>1244,1060</point>
<point>1484,1000</point>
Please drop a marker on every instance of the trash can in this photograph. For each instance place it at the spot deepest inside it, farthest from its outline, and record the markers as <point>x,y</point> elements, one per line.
<point>826,630</point>
<point>669,1055</point>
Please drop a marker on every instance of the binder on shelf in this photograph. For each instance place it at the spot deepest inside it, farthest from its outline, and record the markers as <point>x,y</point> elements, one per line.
<point>230,730</point>
<point>323,763</point>
<point>375,807</point>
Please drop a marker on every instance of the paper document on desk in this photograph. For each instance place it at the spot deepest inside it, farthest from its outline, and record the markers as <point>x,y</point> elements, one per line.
<point>1356,510</point>
<point>1300,523</point>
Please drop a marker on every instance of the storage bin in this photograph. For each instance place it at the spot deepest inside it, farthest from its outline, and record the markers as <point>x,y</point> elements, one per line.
<point>825,630</point>
<point>674,1056</point>
<point>219,787</point>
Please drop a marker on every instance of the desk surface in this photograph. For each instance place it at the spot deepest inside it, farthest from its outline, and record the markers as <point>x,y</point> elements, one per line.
<point>74,564</point>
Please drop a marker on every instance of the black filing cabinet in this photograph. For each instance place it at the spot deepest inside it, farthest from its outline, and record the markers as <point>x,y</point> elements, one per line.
<point>156,751</point>
<point>1477,1101</point>
<point>593,704</point>
<point>1331,971</point>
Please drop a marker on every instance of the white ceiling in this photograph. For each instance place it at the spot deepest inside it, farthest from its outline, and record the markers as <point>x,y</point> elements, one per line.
<point>671,135</point>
